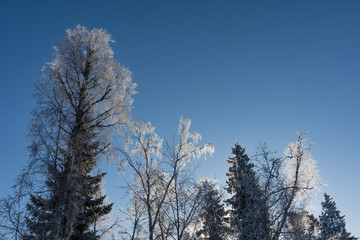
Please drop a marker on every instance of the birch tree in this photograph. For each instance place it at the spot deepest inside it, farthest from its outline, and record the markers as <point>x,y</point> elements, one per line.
<point>82,98</point>
<point>185,196</point>
<point>287,182</point>
<point>156,171</point>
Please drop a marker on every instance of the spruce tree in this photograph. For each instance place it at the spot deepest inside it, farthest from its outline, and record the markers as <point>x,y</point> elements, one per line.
<point>212,215</point>
<point>93,209</point>
<point>248,209</point>
<point>332,224</point>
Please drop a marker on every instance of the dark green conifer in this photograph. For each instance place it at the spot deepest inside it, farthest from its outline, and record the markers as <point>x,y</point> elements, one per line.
<point>212,215</point>
<point>332,224</point>
<point>248,214</point>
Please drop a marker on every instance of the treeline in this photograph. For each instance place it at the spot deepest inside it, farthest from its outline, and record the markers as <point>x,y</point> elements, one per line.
<point>82,117</point>
<point>267,199</point>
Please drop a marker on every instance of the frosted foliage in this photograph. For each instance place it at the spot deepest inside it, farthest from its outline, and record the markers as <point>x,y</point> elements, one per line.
<point>164,192</point>
<point>145,139</point>
<point>301,169</point>
<point>188,146</point>
<point>84,76</point>
<point>206,182</point>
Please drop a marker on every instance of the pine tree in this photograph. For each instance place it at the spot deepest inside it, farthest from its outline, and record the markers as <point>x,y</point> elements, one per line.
<point>83,95</point>
<point>332,224</point>
<point>212,215</point>
<point>248,209</point>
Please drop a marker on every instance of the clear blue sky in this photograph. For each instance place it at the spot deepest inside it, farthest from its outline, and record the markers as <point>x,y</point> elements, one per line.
<point>251,71</point>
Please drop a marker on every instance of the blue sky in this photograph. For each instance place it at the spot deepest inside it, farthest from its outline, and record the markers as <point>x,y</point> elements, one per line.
<point>251,71</point>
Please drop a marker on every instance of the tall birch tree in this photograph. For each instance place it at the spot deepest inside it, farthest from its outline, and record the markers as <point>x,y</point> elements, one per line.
<point>82,98</point>
<point>287,182</point>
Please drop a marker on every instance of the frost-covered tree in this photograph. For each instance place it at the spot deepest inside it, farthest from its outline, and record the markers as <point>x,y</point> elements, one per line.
<point>212,214</point>
<point>157,172</point>
<point>299,177</point>
<point>82,98</point>
<point>178,214</point>
<point>287,182</point>
<point>185,195</point>
<point>332,224</point>
<point>134,216</point>
<point>268,168</point>
<point>248,213</point>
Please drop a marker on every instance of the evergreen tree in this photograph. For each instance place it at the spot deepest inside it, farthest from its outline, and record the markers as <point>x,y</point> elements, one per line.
<point>332,224</point>
<point>212,215</point>
<point>83,95</point>
<point>248,209</point>
<point>93,209</point>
